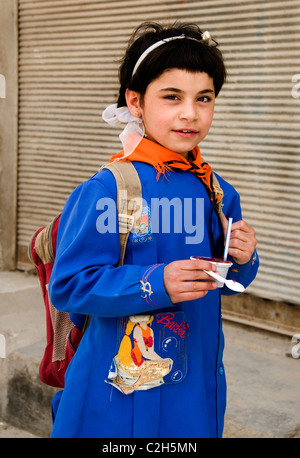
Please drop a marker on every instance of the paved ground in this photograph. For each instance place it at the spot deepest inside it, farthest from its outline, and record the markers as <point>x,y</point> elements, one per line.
<point>263,382</point>
<point>263,385</point>
<point>10,432</point>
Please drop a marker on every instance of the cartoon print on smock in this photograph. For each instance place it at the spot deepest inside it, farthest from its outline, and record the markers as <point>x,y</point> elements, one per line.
<point>151,351</point>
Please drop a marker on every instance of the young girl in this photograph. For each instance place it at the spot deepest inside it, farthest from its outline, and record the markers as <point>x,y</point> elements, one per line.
<point>170,381</point>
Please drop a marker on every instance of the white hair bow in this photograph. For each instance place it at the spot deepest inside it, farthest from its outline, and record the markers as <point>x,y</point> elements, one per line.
<point>134,130</point>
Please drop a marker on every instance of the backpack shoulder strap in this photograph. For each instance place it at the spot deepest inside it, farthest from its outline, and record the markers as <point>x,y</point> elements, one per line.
<point>45,241</point>
<point>219,194</point>
<point>129,199</point>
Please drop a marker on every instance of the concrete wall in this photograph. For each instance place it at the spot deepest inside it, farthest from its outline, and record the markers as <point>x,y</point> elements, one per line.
<point>8,131</point>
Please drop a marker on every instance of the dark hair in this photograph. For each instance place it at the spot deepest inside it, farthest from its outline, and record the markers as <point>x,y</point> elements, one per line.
<point>192,55</point>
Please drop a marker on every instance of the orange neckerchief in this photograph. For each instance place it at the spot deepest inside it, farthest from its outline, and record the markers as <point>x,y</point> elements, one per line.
<point>163,159</point>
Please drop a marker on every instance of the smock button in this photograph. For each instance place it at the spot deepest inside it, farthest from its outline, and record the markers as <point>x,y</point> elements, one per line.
<point>221,370</point>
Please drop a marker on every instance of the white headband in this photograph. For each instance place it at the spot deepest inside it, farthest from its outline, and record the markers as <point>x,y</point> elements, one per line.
<point>205,37</point>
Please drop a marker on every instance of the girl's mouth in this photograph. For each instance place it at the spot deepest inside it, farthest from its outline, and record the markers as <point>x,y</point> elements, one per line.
<point>186,133</point>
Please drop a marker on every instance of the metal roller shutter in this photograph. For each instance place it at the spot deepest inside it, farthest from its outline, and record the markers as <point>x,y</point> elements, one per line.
<point>69,51</point>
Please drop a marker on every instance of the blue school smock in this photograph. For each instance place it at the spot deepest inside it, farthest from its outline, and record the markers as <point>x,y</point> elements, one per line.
<point>85,281</point>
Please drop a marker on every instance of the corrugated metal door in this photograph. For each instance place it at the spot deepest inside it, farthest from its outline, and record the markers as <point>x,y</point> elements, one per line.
<point>69,53</point>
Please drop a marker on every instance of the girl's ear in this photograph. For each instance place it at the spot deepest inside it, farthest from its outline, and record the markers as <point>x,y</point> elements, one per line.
<point>133,102</point>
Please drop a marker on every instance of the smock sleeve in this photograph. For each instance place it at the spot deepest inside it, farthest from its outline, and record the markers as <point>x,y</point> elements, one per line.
<point>84,279</point>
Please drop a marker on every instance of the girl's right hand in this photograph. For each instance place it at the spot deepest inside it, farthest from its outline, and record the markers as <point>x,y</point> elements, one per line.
<point>181,279</point>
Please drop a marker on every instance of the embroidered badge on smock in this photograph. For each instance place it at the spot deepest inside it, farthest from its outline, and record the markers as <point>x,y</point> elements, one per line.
<point>143,233</point>
<point>146,288</point>
<point>151,351</point>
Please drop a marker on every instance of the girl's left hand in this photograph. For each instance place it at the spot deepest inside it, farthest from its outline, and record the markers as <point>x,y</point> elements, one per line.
<point>242,240</point>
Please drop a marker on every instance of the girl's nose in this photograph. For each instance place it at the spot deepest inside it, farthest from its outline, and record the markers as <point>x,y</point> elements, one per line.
<point>188,112</point>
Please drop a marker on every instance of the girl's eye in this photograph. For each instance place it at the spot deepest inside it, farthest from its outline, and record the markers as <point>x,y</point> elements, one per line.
<point>171,97</point>
<point>204,99</point>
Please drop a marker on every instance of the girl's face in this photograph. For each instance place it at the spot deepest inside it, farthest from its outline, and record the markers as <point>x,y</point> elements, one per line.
<point>177,109</point>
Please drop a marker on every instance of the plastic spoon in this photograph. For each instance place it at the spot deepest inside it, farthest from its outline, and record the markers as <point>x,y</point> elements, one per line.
<point>231,284</point>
